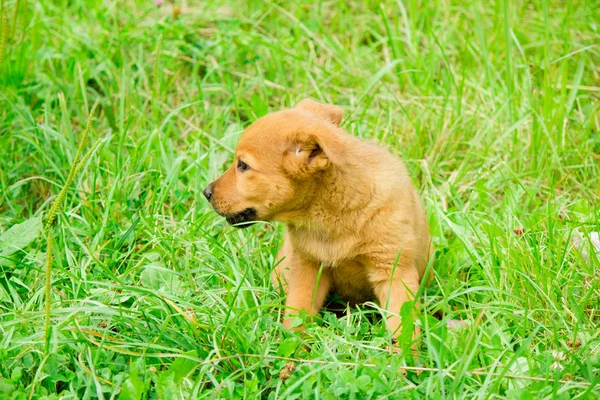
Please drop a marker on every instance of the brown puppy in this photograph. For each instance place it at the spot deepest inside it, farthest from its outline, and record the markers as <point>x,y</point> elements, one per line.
<point>355,224</point>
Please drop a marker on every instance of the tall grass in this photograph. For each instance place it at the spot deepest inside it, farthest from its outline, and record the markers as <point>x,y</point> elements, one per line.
<point>492,105</point>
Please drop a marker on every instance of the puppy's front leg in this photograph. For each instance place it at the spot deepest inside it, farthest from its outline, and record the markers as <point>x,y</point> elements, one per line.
<point>306,288</point>
<point>392,289</point>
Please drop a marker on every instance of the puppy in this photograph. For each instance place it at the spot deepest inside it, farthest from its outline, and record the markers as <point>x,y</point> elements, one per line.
<point>355,224</point>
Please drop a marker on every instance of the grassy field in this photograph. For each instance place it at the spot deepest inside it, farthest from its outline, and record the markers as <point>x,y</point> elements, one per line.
<point>494,106</point>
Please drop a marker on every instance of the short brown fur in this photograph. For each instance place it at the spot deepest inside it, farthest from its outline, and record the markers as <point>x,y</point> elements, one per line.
<point>349,207</point>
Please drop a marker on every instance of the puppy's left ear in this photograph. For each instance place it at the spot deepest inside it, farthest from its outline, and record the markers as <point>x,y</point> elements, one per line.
<point>310,152</point>
<point>327,112</point>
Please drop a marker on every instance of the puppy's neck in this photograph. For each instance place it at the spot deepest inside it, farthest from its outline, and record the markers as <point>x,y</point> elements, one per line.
<point>338,193</point>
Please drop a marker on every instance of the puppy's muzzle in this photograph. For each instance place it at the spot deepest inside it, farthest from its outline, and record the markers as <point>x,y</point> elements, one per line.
<point>242,219</point>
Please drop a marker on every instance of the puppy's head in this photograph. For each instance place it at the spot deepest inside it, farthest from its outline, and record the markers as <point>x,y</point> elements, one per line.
<point>277,164</point>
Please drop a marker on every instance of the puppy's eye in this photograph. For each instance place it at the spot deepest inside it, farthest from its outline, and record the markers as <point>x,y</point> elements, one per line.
<point>242,166</point>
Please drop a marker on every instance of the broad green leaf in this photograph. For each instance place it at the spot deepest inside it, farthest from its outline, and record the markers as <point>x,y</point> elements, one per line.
<point>6,386</point>
<point>182,366</point>
<point>363,382</point>
<point>133,387</point>
<point>166,388</point>
<point>156,276</point>
<point>259,106</point>
<point>169,382</point>
<point>16,374</point>
<point>408,323</point>
<point>287,347</point>
<point>19,236</point>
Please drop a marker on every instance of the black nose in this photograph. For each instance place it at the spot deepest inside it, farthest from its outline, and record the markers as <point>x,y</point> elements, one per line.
<point>208,193</point>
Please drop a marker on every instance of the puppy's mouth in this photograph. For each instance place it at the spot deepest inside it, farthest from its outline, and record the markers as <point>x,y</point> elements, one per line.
<point>242,219</point>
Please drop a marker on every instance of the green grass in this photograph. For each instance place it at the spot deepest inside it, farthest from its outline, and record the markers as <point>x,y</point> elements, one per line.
<point>494,106</point>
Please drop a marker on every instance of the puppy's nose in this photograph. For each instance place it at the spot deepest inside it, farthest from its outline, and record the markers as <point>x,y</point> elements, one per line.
<point>208,192</point>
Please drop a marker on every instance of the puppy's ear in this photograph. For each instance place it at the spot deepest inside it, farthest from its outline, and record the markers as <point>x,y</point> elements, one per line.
<point>310,152</point>
<point>327,112</point>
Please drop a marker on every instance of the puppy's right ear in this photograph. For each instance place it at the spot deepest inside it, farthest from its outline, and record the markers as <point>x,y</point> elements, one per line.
<point>310,152</point>
<point>327,112</point>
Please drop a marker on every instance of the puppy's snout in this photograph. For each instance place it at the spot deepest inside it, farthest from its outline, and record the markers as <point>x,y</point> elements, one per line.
<point>208,192</point>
